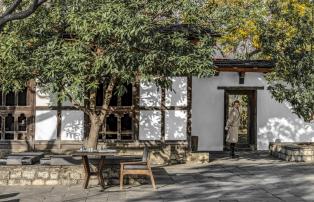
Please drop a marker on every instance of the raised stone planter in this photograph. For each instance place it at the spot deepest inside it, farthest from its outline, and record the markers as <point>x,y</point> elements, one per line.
<point>198,157</point>
<point>297,152</point>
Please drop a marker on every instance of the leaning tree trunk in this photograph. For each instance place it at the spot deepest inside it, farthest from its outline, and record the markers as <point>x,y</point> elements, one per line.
<point>96,122</point>
<point>97,118</point>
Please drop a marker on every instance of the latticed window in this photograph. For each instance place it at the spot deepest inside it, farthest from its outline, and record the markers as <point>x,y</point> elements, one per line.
<point>9,127</point>
<point>111,127</point>
<point>118,124</point>
<point>126,127</point>
<point>14,99</point>
<point>116,101</point>
<point>15,126</point>
<point>15,114</point>
<point>10,99</point>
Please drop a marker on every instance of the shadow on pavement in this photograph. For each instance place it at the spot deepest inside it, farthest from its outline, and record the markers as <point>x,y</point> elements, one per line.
<point>6,197</point>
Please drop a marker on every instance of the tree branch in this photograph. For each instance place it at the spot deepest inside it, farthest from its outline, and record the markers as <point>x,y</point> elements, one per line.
<point>251,54</point>
<point>12,8</point>
<point>77,104</point>
<point>108,95</point>
<point>220,51</point>
<point>10,16</point>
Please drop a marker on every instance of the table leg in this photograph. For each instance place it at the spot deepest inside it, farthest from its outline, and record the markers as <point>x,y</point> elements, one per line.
<point>99,171</point>
<point>86,170</point>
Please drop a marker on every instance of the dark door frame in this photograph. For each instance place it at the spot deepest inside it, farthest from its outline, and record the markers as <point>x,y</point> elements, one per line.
<point>252,114</point>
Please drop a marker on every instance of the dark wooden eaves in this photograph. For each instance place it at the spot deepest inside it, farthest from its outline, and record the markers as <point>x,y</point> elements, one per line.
<point>232,65</point>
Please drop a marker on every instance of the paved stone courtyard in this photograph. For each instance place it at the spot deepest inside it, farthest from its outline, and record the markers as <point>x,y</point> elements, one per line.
<point>253,177</point>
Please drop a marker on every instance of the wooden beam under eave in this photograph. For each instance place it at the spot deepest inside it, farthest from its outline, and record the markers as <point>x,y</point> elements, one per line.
<point>243,69</point>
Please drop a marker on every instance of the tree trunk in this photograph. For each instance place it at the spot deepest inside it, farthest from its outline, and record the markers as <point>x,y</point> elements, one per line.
<point>10,14</point>
<point>94,131</point>
<point>97,118</point>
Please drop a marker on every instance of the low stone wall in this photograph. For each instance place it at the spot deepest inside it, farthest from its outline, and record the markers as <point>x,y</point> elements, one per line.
<point>74,174</point>
<point>159,154</point>
<point>59,175</point>
<point>297,152</point>
<point>40,175</point>
<point>3,154</point>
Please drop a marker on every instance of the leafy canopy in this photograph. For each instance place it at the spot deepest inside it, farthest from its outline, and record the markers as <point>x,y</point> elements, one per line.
<point>70,47</point>
<point>237,21</point>
<point>281,31</point>
<point>288,37</point>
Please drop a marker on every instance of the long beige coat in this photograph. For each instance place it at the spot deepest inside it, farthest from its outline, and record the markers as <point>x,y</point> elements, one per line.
<point>232,126</point>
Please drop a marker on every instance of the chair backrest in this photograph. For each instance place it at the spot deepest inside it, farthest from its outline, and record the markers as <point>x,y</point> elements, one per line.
<point>145,154</point>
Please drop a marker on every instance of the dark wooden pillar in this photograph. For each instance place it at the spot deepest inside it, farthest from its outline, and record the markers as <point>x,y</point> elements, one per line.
<point>189,111</point>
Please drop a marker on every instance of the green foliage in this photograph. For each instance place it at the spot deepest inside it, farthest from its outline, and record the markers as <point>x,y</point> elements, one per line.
<point>288,37</point>
<point>69,48</point>
<point>281,31</point>
<point>72,47</point>
<point>237,21</point>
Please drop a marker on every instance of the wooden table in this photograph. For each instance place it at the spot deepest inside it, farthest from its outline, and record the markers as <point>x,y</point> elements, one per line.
<point>100,166</point>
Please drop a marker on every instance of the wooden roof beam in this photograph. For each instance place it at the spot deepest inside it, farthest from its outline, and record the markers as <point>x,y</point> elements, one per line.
<point>243,69</point>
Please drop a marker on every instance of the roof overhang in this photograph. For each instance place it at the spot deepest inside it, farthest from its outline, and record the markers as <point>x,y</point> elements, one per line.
<point>232,65</point>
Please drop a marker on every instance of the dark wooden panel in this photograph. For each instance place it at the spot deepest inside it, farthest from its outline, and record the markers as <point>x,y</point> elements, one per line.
<point>189,112</point>
<point>240,88</point>
<point>243,69</point>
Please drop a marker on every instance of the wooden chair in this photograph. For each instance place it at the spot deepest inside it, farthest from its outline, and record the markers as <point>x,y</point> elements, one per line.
<point>137,168</point>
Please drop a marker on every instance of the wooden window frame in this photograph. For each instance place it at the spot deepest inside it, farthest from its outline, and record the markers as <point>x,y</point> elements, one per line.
<point>134,111</point>
<point>17,111</point>
<point>118,114</point>
<point>119,111</point>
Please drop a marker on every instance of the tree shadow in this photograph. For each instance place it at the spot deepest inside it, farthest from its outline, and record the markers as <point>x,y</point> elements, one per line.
<point>8,197</point>
<point>177,95</point>
<point>176,125</point>
<point>285,129</point>
<point>253,180</point>
<point>150,125</point>
<point>150,95</point>
<point>175,120</point>
<point>72,126</point>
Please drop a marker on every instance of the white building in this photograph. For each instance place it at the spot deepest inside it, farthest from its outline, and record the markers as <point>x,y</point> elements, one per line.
<point>197,107</point>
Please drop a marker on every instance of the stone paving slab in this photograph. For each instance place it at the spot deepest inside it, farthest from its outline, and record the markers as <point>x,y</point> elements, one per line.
<point>254,177</point>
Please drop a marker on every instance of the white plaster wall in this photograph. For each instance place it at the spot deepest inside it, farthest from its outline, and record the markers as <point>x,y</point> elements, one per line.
<point>43,99</point>
<point>150,120</point>
<point>177,96</point>
<point>175,124</point>
<point>208,109</point>
<point>150,95</point>
<point>150,125</point>
<point>175,121</point>
<point>207,113</point>
<point>67,103</point>
<point>72,125</point>
<point>46,125</point>
<point>274,120</point>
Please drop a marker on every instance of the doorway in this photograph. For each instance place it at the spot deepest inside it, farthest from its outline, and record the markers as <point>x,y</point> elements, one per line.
<point>247,129</point>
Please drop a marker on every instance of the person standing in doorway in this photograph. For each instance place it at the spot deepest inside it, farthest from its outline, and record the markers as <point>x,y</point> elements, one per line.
<point>232,127</point>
